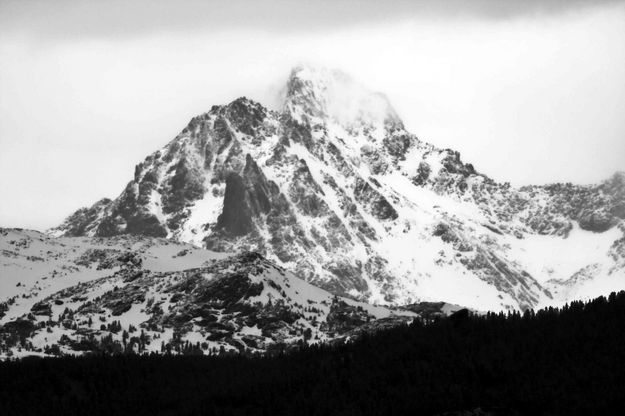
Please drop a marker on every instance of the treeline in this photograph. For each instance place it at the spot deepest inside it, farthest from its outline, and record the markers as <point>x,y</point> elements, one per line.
<point>553,362</point>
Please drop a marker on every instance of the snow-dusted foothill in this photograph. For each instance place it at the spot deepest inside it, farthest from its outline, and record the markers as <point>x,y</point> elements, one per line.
<point>72,295</point>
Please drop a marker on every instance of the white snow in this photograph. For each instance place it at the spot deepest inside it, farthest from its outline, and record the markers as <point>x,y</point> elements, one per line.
<point>552,257</point>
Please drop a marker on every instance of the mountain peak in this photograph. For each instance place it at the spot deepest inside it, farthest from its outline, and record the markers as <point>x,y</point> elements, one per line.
<point>314,93</point>
<point>333,188</point>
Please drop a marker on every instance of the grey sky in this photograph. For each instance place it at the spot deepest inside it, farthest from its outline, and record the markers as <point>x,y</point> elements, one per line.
<point>119,18</point>
<point>529,91</point>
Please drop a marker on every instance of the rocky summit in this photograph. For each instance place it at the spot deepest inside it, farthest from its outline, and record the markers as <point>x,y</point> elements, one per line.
<point>333,188</point>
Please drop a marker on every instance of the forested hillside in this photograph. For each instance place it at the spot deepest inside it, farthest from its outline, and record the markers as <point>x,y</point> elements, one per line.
<point>552,362</point>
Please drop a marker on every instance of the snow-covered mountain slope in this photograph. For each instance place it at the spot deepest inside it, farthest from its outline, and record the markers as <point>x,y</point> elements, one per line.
<point>335,189</point>
<point>76,294</point>
<point>34,265</point>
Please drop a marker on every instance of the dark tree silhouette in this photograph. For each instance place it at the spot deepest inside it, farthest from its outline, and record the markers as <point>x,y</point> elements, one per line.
<point>563,361</point>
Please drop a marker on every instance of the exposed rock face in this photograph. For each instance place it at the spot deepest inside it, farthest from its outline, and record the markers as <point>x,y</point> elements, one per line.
<point>599,221</point>
<point>236,217</point>
<point>374,203</point>
<point>333,183</point>
<point>79,222</point>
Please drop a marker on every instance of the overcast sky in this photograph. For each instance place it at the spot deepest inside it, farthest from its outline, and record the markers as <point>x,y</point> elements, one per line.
<point>529,91</point>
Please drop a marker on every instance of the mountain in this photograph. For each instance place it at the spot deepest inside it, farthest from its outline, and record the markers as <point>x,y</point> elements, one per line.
<point>75,294</point>
<point>333,188</point>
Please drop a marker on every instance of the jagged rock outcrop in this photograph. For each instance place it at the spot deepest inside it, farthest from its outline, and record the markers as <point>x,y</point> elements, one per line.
<point>82,221</point>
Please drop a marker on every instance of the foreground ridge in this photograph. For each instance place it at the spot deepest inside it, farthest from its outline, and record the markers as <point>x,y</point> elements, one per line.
<point>145,294</point>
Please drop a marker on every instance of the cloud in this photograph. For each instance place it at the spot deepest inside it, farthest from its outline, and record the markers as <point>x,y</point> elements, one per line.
<point>47,20</point>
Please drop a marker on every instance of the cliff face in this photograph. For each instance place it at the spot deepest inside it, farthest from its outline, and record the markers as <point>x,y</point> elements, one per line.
<point>335,189</point>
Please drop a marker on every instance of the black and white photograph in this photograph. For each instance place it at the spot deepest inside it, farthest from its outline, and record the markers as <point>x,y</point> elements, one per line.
<point>297,207</point>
